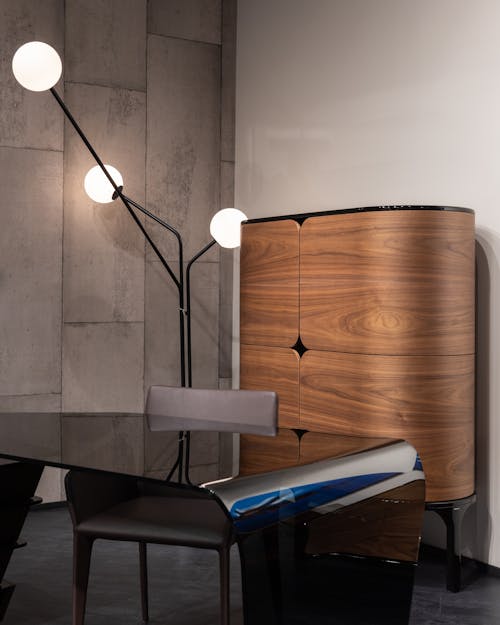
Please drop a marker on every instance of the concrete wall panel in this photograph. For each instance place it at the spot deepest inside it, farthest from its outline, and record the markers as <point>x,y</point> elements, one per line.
<point>29,119</point>
<point>103,248</point>
<point>183,139</point>
<point>228,82</point>
<point>107,42</point>
<point>160,451</point>
<point>115,442</point>
<point>198,20</point>
<point>205,324</point>
<point>161,332</point>
<point>103,367</point>
<point>31,403</point>
<point>30,272</point>
<point>72,281</point>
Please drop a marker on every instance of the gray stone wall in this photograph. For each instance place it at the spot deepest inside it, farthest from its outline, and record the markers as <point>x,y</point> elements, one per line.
<point>88,316</point>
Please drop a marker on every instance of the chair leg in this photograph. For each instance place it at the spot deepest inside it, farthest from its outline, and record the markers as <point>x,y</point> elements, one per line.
<point>224,585</point>
<point>82,552</point>
<point>143,562</point>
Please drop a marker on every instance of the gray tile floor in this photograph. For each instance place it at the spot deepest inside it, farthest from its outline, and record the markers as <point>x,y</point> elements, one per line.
<point>184,584</point>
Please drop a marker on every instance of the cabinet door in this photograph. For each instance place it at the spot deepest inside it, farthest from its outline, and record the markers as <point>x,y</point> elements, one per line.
<point>269,283</point>
<point>388,282</point>
<point>426,400</point>
<point>274,369</point>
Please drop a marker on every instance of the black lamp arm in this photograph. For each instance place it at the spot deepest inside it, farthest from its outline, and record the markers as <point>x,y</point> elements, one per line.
<point>75,125</point>
<point>126,201</point>
<point>178,282</point>
<point>151,215</point>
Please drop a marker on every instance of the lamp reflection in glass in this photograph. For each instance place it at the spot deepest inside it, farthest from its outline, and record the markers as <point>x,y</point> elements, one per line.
<point>37,66</point>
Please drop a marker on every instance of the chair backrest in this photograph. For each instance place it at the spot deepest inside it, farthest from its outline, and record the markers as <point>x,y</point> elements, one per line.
<point>193,409</point>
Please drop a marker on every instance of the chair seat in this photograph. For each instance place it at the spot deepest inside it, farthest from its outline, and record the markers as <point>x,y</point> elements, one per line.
<point>163,520</point>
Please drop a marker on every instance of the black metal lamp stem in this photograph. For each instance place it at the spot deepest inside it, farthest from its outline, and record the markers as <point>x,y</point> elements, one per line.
<point>188,307</point>
<point>83,137</point>
<point>189,350</point>
<point>179,283</point>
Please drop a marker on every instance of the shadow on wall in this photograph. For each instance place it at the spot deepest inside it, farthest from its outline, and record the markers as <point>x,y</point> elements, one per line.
<point>116,225</point>
<point>477,522</point>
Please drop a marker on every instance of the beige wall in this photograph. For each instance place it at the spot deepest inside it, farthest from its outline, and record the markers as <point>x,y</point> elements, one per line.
<point>89,318</point>
<point>344,103</point>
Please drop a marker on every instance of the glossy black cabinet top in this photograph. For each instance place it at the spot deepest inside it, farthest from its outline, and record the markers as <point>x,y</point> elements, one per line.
<point>300,217</point>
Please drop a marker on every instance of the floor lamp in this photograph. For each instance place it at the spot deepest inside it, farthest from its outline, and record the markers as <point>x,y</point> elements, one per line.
<point>37,67</point>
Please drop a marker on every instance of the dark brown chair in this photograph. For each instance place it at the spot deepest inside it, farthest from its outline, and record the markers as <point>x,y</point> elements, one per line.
<point>115,507</point>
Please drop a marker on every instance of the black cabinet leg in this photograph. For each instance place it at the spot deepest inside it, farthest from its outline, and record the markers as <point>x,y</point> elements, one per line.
<point>452,514</point>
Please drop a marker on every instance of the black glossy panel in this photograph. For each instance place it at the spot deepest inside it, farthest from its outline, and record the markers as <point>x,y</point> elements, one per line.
<point>284,586</point>
<point>174,572</point>
<point>301,217</point>
<point>331,542</point>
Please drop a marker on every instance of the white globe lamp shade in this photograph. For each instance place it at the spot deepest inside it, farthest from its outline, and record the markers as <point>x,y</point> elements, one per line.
<point>98,187</point>
<point>225,227</point>
<point>36,66</point>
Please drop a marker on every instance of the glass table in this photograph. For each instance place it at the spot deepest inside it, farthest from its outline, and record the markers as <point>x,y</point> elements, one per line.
<point>334,541</point>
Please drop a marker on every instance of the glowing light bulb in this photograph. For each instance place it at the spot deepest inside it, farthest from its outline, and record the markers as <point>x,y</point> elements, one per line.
<point>98,187</point>
<point>225,227</point>
<point>36,66</point>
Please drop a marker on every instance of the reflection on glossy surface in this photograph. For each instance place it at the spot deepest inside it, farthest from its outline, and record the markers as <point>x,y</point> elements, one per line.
<point>106,441</point>
<point>333,541</point>
<point>330,540</point>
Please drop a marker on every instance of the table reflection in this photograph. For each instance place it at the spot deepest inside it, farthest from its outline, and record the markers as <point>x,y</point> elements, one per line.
<point>332,541</point>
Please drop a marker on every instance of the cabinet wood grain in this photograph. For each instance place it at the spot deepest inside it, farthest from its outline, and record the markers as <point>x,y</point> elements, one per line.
<point>426,400</point>
<point>269,310</point>
<point>320,445</point>
<point>393,282</point>
<point>275,369</point>
<point>383,301</point>
<point>263,453</point>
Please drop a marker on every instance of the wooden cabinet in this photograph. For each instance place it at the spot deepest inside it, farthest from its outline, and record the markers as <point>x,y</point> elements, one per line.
<point>270,284</point>
<point>363,322</point>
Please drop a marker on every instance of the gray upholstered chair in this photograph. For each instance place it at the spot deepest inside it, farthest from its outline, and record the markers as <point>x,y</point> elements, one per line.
<point>114,507</point>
